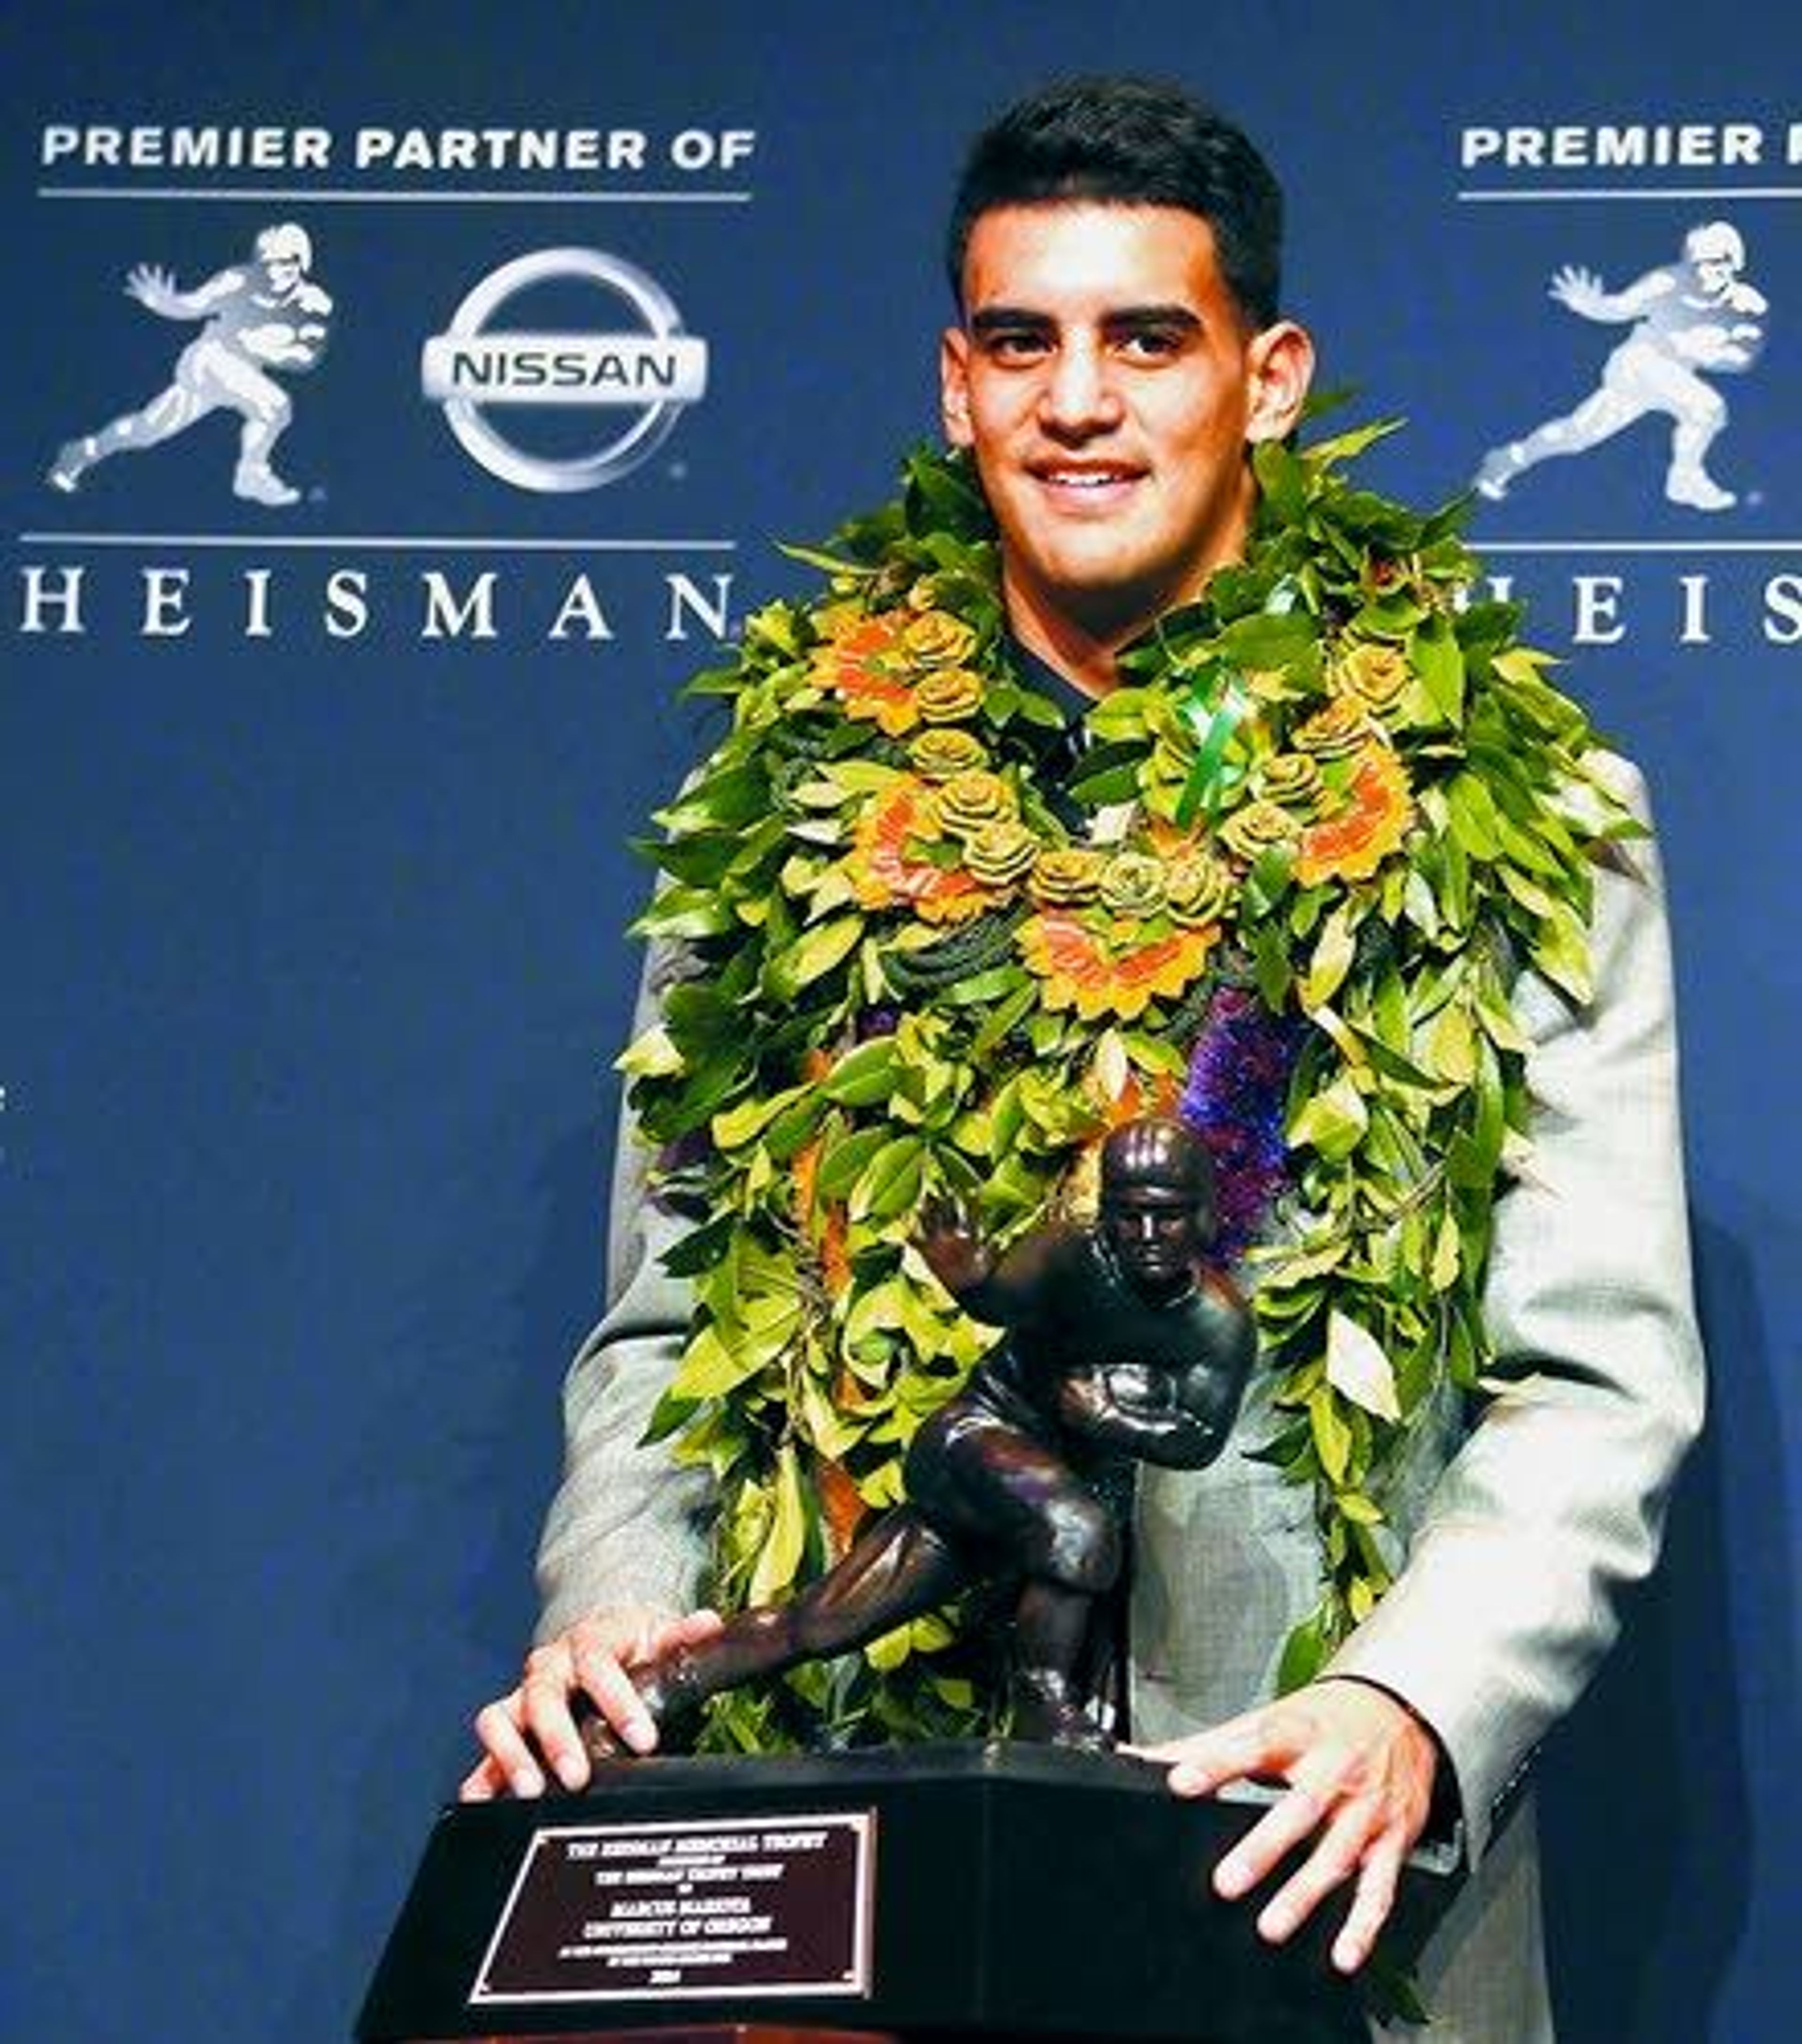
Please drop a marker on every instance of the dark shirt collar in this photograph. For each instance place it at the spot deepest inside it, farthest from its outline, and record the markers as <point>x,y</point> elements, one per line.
<point>1040,676</point>
<point>1060,751</point>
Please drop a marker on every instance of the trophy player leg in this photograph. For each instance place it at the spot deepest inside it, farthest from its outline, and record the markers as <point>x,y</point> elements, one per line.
<point>1011,1495</point>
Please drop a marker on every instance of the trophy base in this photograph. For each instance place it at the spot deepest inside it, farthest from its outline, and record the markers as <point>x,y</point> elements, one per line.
<point>996,1891</point>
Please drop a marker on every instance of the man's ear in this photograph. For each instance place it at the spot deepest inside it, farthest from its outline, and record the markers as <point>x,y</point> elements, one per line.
<point>953,386</point>
<point>1281,366</point>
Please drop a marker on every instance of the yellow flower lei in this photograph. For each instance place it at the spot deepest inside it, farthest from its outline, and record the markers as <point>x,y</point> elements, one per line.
<point>915,975</point>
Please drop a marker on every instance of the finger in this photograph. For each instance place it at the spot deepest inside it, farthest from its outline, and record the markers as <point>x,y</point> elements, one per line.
<point>1371,1907</point>
<point>689,1629</point>
<point>496,1728</point>
<point>484,1781</point>
<point>1269,1841</point>
<point>1335,1858</point>
<point>551,1679</point>
<point>1262,1743</point>
<point>610,1688</point>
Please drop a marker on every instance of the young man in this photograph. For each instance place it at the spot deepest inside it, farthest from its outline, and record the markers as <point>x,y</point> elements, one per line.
<point>1118,355</point>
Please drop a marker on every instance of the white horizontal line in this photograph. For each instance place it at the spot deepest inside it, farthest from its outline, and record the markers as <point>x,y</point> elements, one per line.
<point>351,195</point>
<point>1481,547</point>
<point>412,542</point>
<point>1494,194</point>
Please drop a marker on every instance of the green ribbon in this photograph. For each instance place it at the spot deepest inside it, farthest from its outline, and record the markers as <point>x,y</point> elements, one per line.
<point>1213,709</point>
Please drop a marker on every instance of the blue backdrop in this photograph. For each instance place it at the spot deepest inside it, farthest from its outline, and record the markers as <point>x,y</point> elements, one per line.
<point>314,822</point>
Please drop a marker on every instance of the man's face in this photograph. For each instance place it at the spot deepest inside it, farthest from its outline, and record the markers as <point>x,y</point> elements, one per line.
<point>1108,385</point>
<point>1156,1233</point>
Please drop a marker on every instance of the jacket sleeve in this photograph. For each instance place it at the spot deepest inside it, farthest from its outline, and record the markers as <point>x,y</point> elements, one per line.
<point>627,1525</point>
<point>1556,1501</point>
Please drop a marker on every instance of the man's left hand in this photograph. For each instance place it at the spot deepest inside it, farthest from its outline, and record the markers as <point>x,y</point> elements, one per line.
<point>1359,1769</point>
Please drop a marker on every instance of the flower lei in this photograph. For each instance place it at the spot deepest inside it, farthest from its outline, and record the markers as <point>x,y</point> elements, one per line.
<point>1332,799</point>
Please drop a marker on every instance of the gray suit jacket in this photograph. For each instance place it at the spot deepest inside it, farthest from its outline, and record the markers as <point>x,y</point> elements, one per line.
<point>1523,1528</point>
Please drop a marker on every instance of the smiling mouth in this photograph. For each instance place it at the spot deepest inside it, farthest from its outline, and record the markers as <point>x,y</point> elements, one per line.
<point>1086,487</point>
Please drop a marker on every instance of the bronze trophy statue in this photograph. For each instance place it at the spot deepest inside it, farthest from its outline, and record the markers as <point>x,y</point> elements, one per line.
<point>923,1891</point>
<point>1124,1344</point>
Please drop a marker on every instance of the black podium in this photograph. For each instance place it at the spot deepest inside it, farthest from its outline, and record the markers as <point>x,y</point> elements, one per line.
<point>994,1892</point>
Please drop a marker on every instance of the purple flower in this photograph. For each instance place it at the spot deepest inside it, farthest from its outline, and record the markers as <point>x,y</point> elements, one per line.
<point>1238,1085</point>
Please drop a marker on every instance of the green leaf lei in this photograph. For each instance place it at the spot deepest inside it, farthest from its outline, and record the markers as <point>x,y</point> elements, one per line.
<point>911,972</point>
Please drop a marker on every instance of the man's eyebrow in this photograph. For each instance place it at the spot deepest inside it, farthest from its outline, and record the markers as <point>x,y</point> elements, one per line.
<point>995,319</point>
<point>1180,316</point>
<point>999,319</point>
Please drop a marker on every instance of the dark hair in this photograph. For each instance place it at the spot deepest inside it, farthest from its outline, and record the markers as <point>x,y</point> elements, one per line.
<point>1131,141</point>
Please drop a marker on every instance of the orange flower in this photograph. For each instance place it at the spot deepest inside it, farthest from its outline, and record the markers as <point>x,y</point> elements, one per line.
<point>856,666</point>
<point>1368,823</point>
<point>887,872</point>
<point>834,1253</point>
<point>1080,970</point>
<point>1157,1094</point>
<point>841,1507</point>
<point>806,1179</point>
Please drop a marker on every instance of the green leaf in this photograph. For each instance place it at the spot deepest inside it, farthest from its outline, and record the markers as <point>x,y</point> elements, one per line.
<point>1451,1045</point>
<point>1332,1437</point>
<point>1271,964</point>
<point>721,802</point>
<point>1305,1652</point>
<point>1362,1511</point>
<point>1474,822</point>
<point>1110,773</point>
<point>812,955</point>
<point>890,1183</point>
<point>710,1368</point>
<point>1439,660</point>
<point>736,1126</point>
<point>1007,1014</point>
<point>1446,1253</point>
<point>790,1130</point>
<point>782,1551</point>
<point>1332,961</point>
<point>888,1651</point>
<point>1285,641</point>
<point>653,1055</point>
<point>684,913</point>
<point>996,984</point>
<point>1561,952</point>
<point>865,1075</point>
<point>700,1020</point>
<point>669,1416</point>
<point>1474,1153</point>
<point>1333,1122</point>
<point>827,1428</point>
<point>843,1162</point>
<point>1358,1369</point>
<point>702,1247</point>
<point>1267,883</point>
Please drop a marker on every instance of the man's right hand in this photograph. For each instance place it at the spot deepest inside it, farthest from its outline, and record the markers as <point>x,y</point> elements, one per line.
<point>533,1726</point>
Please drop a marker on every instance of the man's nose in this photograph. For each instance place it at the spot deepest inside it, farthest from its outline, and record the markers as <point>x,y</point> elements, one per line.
<point>1079,394</point>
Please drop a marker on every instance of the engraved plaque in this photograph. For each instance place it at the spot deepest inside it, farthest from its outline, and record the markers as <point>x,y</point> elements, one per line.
<point>736,1906</point>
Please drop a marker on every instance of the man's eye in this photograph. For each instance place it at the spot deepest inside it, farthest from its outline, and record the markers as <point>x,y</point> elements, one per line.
<point>1150,344</point>
<point>1016,347</point>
